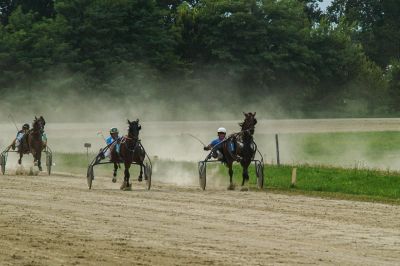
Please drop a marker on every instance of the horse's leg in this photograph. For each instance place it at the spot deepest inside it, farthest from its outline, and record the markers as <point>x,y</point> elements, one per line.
<point>128,175</point>
<point>115,173</point>
<point>39,160</point>
<point>231,185</point>
<point>245,173</point>
<point>244,176</point>
<point>140,178</point>
<point>20,158</point>
<point>126,184</point>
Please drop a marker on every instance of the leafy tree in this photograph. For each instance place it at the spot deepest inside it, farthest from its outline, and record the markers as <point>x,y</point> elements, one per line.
<point>28,46</point>
<point>248,49</point>
<point>257,41</point>
<point>311,7</point>
<point>44,8</point>
<point>378,25</point>
<point>393,78</point>
<point>105,32</point>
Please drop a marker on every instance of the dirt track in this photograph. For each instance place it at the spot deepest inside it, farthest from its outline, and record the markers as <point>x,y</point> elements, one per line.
<point>57,221</point>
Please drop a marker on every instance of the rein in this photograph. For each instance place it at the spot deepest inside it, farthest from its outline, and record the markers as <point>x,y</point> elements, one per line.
<point>135,139</point>
<point>240,133</point>
<point>234,136</point>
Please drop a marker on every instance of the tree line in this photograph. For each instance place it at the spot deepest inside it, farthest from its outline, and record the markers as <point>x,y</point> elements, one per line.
<point>343,61</point>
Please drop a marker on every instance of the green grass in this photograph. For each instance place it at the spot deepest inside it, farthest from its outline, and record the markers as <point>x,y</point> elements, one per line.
<point>367,184</point>
<point>343,148</point>
<point>314,180</point>
<point>77,163</point>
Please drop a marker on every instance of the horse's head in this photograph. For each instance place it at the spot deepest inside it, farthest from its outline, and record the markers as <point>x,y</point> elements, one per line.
<point>38,124</point>
<point>249,122</point>
<point>134,128</point>
<point>42,121</point>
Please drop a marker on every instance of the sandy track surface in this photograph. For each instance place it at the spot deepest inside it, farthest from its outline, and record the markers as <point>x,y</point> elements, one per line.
<point>56,220</point>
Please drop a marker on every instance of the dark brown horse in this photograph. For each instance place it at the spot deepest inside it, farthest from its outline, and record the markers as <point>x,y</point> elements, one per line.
<point>33,143</point>
<point>131,152</point>
<point>244,148</point>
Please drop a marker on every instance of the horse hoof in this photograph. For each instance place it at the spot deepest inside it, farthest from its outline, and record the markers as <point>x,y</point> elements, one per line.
<point>123,186</point>
<point>128,188</point>
<point>114,180</point>
<point>231,187</point>
<point>140,179</point>
<point>40,168</point>
<point>244,189</point>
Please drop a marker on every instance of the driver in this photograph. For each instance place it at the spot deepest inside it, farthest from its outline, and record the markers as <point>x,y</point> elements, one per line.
<point>217,144</point>
<point>114,137</point>
<point>17,141</point>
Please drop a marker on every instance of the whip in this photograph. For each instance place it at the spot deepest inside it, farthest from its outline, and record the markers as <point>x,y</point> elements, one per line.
<point>101,134</point>
<point>13,121</point>
<point>196,138</point>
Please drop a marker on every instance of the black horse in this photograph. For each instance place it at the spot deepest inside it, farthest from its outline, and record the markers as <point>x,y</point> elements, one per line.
<point>131,152</point>
<point>244,148</point>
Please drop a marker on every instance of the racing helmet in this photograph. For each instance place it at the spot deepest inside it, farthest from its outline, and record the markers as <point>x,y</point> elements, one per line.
<point>114,130</point>
<point>25,126</point>
<point>221,130</point>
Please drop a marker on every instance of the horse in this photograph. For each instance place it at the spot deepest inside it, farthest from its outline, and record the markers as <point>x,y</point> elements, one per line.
<point>131,152</point>
<point>244,151</point>
<point>33,143</point>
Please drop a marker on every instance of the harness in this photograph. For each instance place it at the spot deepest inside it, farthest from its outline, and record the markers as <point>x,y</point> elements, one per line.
<point>235,137</point>
<point>136,143</point>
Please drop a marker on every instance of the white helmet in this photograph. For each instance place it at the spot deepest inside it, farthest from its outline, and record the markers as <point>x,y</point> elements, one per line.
<point>221,130</point>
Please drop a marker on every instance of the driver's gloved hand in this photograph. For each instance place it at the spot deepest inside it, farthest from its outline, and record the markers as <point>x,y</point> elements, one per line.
<point>205,148</point>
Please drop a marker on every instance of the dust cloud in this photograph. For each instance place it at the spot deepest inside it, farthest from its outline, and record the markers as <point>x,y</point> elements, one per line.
<point>76,115</point>
<point>170,140</point>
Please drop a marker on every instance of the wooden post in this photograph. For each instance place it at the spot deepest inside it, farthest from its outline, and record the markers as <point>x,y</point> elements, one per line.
<point>278,161</point>
<point>87,146</point>
<point>294,177</point>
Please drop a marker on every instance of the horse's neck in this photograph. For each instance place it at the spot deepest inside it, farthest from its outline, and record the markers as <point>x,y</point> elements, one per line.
<point>247,139</point>
<point>131,140</point>
<point>131,136</point>
<point>35,132</point>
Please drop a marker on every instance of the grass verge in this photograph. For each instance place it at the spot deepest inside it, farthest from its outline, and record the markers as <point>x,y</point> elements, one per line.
<point>333,182</point>
<point>312,180</point>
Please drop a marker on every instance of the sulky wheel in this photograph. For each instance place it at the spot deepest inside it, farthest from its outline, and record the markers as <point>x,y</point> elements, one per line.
<point>147,175</point>
<point>202,175</point>
<point>90,176</point>
<point>3,163</point>
<point>49,162</point>
<point>260,174</point>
